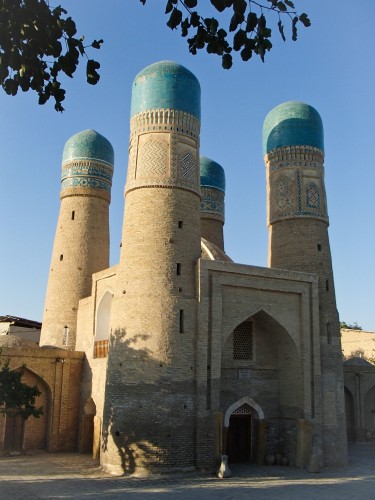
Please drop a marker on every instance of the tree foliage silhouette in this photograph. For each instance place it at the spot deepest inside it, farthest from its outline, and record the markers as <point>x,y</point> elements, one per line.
<point>39,42</point>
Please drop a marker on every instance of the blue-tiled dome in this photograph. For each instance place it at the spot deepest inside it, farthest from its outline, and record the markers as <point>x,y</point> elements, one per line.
<point>88,144</point>
<point>212,174</point>
<point>292,124</point>
<point>166,84</point>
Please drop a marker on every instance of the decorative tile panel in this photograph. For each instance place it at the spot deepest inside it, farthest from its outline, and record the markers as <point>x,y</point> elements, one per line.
<point>212,203</point>
<point>167,151</point>
<point>294,192</point>
<point>312,196</point>
<point>152,159</point>
<point>91,174</point>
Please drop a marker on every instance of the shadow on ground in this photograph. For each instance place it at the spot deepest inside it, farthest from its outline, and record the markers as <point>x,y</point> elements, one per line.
<point>68,476</point>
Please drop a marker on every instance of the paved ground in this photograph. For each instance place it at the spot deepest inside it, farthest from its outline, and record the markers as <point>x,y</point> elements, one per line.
<point>73,476</point>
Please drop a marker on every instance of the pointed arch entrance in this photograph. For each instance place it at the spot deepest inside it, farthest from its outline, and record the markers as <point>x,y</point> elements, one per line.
<point>260,357</point>
<point>30,434</point>
<point>241,430</point>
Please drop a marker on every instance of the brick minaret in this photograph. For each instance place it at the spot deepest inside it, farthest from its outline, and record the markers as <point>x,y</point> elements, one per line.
<point>212,204</point>
<point>81,245</point>
<point>149,407</point>
<point>298,240</point>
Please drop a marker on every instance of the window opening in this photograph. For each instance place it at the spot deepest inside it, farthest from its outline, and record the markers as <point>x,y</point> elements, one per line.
<point>65,335</point>
<point>73,214</point>
<point>180,224</point>
<point>243,341</point>
<point>319,247</point>
<point>181,321</point>
<point>178,269</point>
<point>61,257</point>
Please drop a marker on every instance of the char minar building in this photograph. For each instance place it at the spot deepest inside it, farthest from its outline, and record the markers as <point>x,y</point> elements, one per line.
<point>184,355</point>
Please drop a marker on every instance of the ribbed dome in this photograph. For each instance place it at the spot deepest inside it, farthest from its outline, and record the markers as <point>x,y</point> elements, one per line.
<point>292,124</point>
<point>212,174</point>
<point>88,144</point>
<point>166,84</point>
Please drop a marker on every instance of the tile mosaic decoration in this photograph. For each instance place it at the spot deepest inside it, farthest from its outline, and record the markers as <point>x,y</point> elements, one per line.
<point>212,202</point>
<point>87,174</point>
<point>181,131</point>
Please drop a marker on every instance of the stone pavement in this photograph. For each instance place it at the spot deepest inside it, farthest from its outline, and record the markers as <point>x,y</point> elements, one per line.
<point>73,476</point>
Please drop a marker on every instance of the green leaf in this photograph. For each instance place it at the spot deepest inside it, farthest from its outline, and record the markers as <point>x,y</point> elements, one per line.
<point>281,29</point>
<point>195,19</point>
<point>305,20</point>
<point>168,7</point>
<point>212,25</point>
<point>246,52</point>
<point>294,28</point>
<point>226,61</point>
<point>235,21</point>
<point>239,7</point>
<point>219,5</point>
<point>70,27</point>
<point>96,44</point>
<point>92,75</point>
<point>281,6</point>
<point>174,19</point>
<point>185,25</point>
<point>239,39</point>
<point>191,3</point>
<point>10,86</point>
<point>251,22</point>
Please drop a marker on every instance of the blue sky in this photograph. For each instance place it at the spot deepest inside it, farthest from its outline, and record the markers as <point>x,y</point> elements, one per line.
<point>331,67</point>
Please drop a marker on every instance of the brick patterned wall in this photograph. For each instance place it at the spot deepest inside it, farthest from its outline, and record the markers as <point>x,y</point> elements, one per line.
<point>81,248</point>
<point>298,240</point>
<point>57,374</point>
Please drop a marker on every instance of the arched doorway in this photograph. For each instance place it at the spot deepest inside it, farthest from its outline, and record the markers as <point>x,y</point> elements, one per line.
<point>30,434</point>
<point>14,433</point>
<point>241,429</point>
<point>87,431</point>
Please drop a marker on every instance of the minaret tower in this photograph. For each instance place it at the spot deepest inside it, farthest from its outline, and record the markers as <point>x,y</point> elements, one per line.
<point>212,204</point>
<point>81,245</point>
<point>298,240</point>
<point>149,407</point>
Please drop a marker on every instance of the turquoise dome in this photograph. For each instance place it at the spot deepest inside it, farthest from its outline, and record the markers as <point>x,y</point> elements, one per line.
<point>166,84</point>
<point>292,124</point>
<point>88,144</point>
<point>212,174</point>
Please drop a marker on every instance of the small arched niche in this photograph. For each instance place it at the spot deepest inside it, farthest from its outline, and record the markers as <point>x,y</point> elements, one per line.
<point>103,322</point>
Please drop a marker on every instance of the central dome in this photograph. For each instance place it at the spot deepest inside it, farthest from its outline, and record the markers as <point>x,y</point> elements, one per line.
<point>166,85</point>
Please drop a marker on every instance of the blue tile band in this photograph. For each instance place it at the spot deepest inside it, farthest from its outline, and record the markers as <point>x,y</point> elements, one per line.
<point>87,162</point>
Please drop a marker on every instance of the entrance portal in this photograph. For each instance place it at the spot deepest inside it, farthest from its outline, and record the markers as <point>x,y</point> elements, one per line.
<point>14,433</point>
<point>239,439</point>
